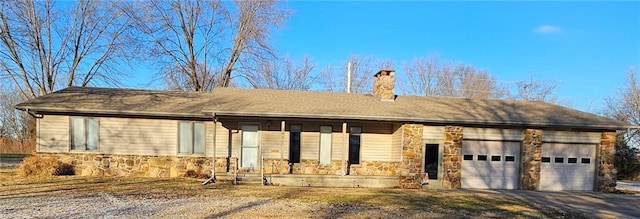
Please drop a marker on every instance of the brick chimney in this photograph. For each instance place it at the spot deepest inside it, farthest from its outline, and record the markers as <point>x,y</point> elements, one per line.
<point>383,84</point>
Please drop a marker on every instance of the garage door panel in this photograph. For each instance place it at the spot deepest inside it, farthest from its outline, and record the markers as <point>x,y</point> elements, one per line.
<point>571,173</point>
<point>493,174</point>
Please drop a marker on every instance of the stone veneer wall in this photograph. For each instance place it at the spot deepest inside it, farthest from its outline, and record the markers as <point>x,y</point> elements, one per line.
<point>275,166</point>
<point>87,164</point>
<point>531,159</point>
<point>452,157</point>
<point>607,174</point>
<point>313,166</point>
<point>410,166</point>
<point>374,168</point>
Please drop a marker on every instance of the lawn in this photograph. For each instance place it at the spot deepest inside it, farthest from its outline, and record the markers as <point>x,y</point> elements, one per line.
<point>423,203</point>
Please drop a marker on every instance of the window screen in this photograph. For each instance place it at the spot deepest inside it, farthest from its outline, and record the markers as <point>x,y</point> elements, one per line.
<point>198,138</point>
<point>186,137</point>
<point>77,133</point>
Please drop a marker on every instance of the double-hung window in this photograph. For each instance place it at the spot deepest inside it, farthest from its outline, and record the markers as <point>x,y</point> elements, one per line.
<point>84,133</point>
<point>191,137</point>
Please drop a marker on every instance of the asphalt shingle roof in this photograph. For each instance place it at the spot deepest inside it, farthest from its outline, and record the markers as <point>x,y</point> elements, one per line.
<point>301,104</point>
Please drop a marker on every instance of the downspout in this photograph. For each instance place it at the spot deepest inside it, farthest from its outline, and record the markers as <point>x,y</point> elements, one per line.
<point>213,157</point>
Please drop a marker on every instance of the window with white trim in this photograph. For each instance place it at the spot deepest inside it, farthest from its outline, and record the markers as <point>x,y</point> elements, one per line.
<point>191,137</point>
<point>84,133</point>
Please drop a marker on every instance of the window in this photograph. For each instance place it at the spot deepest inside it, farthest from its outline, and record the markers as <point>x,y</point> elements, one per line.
<point>191,138</point>
<point>294,143</point>
<point>572,160</point>
<point>586,160</point>
<point>510,158</point>
<point>495,158</point>
<point>482,157</point>
<point>546,159</point>
<point>354,145</point>
<point>468,157</point>
<point>559,160</point>
<point>325,145</point>
<point>84,134</point>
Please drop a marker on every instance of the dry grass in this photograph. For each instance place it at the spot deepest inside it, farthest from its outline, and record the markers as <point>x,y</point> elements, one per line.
<point>458,202</point>
<point>37,166</point>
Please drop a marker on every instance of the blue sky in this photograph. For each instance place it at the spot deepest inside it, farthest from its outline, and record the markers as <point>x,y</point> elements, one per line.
<point>586,46</point>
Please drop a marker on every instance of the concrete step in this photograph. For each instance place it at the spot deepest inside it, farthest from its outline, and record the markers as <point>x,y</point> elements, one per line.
<point>249,179</point>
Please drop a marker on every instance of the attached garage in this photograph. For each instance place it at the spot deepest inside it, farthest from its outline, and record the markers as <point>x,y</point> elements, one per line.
<point>568,161</point>
<point>491,158</point>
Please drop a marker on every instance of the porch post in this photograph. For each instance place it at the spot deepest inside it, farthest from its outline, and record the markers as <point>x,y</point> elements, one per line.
<point>345,145</point>
<point>213,164</point>
<point>282,128</point>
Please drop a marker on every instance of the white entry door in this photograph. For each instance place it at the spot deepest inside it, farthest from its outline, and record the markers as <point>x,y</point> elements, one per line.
<point>490,164</point>
<point>249,153</point>
<point>567,167</point>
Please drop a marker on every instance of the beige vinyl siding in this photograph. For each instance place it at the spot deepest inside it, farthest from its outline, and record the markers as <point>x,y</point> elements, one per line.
<point>376,143</point>
<point>222,141</point>
<point>309,145</point>
<point>433,132</point>
<point>138,136</point>
<point>571,137</point>
<point>336,145</point>
<point>396,142</point>
<point>493,134</point>
<point>271,142</point>
<point>53,134</point>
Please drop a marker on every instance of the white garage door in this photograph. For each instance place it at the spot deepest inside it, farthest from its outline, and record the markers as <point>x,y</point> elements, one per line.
<point>490,164</point>
<point>567,167</point>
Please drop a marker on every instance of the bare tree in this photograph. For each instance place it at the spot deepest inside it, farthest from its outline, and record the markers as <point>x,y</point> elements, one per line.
<point>536,90</point>
<point>14,124</point>
<point>201,43</point>
<point>363,69</point>
<point>44,47</point>
<point>433,77</point>
<point>284,75</point>
<point>421,75</point>
<point>625,106</point>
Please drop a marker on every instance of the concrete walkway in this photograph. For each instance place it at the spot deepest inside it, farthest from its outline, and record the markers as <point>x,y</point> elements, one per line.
<point>601,205</point>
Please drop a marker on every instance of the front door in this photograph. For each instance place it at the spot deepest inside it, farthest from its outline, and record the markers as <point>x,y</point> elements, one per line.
<point>431,160</point>
<point>249,153</point>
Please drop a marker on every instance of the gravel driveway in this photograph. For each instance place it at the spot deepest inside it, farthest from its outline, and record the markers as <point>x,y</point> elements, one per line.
<point>101,205</point>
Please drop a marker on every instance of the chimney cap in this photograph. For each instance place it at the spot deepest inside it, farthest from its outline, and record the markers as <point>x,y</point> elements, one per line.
<point>385,72</point>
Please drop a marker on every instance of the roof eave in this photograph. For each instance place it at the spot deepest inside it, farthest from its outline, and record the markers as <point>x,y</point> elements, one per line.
<point>420,120</point>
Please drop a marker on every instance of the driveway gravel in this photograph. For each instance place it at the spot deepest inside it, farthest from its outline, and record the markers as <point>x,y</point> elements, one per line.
<point>102,205</point>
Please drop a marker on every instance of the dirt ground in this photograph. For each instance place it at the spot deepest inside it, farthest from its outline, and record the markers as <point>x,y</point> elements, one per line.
<point>83,197</point>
